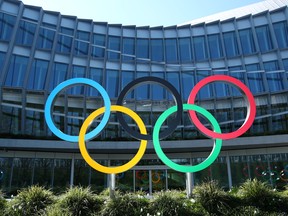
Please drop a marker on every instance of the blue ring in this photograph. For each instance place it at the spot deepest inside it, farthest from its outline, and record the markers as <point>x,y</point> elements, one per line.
<point>62,86</point>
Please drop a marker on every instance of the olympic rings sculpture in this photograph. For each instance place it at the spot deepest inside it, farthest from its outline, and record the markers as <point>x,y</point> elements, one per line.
<point>142,136</point>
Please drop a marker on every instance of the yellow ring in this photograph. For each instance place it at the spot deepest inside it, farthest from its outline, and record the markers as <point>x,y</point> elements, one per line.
<point>119,169</point>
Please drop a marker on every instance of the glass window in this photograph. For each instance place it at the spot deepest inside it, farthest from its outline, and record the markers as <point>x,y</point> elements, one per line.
<point>215,47</point>
<point>25,33</point>
<point>128,48</point>
<point>11,120</point>
<point>98,49</point>
<point>158,92</point>
<point>65,40</point>
<point>58,74</point>
<point>142,48</point>
<point>281,34</point>
<point>247,42</point>
<point>255,78</point>
<point>112,83</point>
<point>264,38</point>
<point>274,77</point>
<point>62,169</point>
<point>5,169</point>
<point>238,73</point>
<point>45,38</point>
<point>185,49</point>
<point>188,81</point>
<point>206,91</point>
<point>78,72</point>
<point>173,78</point>
<point>37,76</point>
<point>96,74</point>
<point>16,71</point>
<point>157,50</point>
<point>73,120</point>
<point>142,91</point>
<point>43,172</point>
<point>171,50</point>
<point>34,122</point>
<point>200,48</point>
<point>127,77</point>
<point>7,23</point>
<point>221,89</point>
<point>230,42</point>
<point>82,173</point>
<point>82,43</point>
<point>114,47</point>
<point>2,58</point>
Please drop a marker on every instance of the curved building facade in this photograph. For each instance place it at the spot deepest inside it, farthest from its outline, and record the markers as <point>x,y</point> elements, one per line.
<point>40,49</point>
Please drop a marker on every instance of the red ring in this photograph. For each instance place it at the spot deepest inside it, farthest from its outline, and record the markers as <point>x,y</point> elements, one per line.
<point>251,107</point>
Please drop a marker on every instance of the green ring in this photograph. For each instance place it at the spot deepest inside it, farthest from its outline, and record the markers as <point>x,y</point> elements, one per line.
<point>203,165</point>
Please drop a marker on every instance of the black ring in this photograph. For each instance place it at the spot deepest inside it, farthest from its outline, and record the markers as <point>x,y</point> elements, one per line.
<point>150,79</point>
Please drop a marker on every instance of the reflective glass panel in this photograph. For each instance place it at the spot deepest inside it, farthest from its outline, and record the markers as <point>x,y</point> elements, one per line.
<point>25,33</point>
<point>142,48</point>
<point>158,178</point>
<point>173,78</point>
<point>274,77</point>
<point>45,38</point>
<point>128,48</point>
<point>82,43</point>
<point>16,71</point>
<point>98,49</point>
<point>78,72</point>
<point>281,34</point>
<point>82,173</point>
<point>157,49</point>
<point>176,180</point>
<point>127,77</point>
<point>2,58</point>
<point>112,83</point>
<point>114,47</point>
<point>43,172</point>
<point>58,74</point>
<point>240,171</point>
<point>5,173</point>
<point>65,40</point>
<point>158,92</point>
<point>7,23</point>
<point>62,170</point>
<point>37,76</point>
<point>255,78</point>
<point>96,74</point>
<point>11,120</point>
<point>199,44</point>
<point>221,89</point>
<point>215,46</point>
<point>264,38</point>
<point>124,181</point>
<point>142,91</point>
<point>206,91</point>
<point>230,42</point>
<point>188,81</point>
<point>171,50</point>
<point>247,42</point>
<point>185,49</point>
<point>34,122</point>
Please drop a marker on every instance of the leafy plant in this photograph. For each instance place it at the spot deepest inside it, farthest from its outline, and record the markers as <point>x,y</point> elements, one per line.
<point>30,201</point>
<point>80,201</point>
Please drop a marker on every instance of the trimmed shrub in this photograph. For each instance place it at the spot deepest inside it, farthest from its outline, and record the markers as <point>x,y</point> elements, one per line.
<point>3,203</point>
<point>173,203</point>
<point>214,199</point>
<point>30,201</point>
<point>125,204</point>
<point>80,201</point>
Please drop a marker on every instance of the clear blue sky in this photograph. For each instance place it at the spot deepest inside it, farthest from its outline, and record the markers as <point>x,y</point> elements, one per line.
<point>140,13</point>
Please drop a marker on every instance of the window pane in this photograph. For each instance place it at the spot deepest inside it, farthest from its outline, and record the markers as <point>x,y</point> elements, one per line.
<point>274,78</point>
<point>112,83</point>
<point>173,78</point>
<point>62,169</point>
<point>65,40</point>
<point>58,74</point>
<point>142,91</point>
<point>280,30</point>
<point>43,172</point>
<point>206,91</point>
<point>37,75</point>
<point>96,74</point>
<point>114,47</point>
<point>7,23</point>
<point>247,42</point>
<point>2,58</point>
<point>221,89</point>
<point>255,78</point>
<point>188,81</point>
<point>78,72</point>
<point>158,92</point>
<point>127,77</point>
<point>239,74</point>
<point>200,48</point>
<point>16,71</point>
<point>25,33</point>
<point>171,50</point>
<point>157,49</point>
<point>142,49</point>
<point>45,38</point>
<point>215,46</point>
<point>6,168</point>
<point>264,39</point>
<point>185,49</point>
<point>34,122</point>
<point>230,42</point>
<point>82,43</point>
<point>98,49</point>
<point>11,120</point>
<point>128,48</point>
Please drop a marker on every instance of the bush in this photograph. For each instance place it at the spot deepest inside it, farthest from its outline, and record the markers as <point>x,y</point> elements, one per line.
<point>172,203</point>
<point>3,203</point>
<point>30,201</point>
<point>214,199</point>
<point>79,201</point>
<point>126,204</point>
<point>261,195</point>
